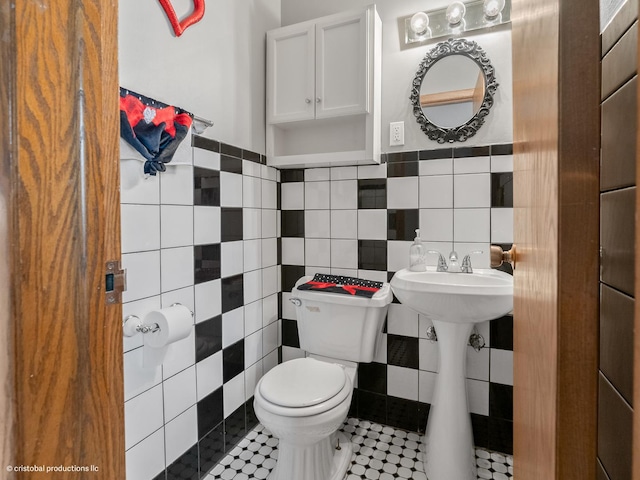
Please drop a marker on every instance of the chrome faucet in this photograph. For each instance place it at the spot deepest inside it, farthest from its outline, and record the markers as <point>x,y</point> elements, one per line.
<point>442,263</point>
<point>454,266</point>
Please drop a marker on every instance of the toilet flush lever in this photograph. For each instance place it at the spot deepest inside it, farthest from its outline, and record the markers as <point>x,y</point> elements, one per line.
<point>296,301</point>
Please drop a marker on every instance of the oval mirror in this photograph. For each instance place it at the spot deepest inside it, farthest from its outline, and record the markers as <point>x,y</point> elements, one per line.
<point>453,90</point>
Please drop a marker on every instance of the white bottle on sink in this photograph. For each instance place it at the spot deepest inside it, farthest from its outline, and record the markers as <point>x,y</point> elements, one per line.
<point>417,260</point>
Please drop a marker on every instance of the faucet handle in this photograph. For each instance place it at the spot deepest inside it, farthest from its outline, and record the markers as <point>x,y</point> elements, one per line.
<point>466,262</point>
<point>442,263</point>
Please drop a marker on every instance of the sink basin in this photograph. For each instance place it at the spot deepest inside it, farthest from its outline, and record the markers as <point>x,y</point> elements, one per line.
<point>474,297</point>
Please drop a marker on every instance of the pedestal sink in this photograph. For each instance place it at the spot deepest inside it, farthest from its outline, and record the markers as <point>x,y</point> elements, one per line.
<point>454,302</point>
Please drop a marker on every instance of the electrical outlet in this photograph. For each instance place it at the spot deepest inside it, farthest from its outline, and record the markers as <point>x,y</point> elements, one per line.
<point>396,133</point>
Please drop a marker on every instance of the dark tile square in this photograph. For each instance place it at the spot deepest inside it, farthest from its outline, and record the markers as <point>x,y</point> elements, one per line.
<point>186,466</point>
<point>251,156</point>
<point>402,224</point>
<point>436,154</point>
<point>227,149</point>
<point>501,333</point>
<point>210,412</point>
<point>402,169</point>
<point>211,448</point>
<point>206,260</point>
<point>292,175</point>
<point>279,250</point>
<point>232,293</point>
<point>292,223</point>
<point>234,428</point>
<point>372,193</point>
<point>205,143</point>
<point>402,351</point>
<point>290,336</point>
<point>402,413</point>
<point>462,152</point>
<point>372,377</point>
<point>505,149</point>
<point>501,435</point>
<point>372,255</point>
<point>290,275</point>
<point>372,407</point>
<point>502,189</point>
<point>353,407</point>
<point>230,224</point>
<point>423,417</point>
<point>280,305</point>
<point>252,420</point>
<point>208,337</point>
<point>480,427</point>
<point>232,360</point>
<point>206,187</point>
<point>280,354</point>
<point>161,476</point>
<point>501,401</point>
<point>279,196</point>
<point>399,157</point>
<point>230,164</point>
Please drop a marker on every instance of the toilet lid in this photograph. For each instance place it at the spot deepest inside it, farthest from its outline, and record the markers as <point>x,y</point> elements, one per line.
<point>302,382</point>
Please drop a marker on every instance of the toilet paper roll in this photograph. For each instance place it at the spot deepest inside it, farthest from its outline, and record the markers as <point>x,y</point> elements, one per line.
<point>175,324</point>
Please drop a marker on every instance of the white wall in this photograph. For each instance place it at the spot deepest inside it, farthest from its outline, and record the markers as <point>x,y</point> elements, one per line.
<point>215,69</point>
<point>399,68</point>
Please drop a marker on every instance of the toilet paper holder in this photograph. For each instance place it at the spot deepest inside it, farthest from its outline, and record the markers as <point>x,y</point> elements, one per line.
<point>132,325</point>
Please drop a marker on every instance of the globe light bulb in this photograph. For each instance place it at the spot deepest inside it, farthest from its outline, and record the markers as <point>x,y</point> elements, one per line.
<point>455,13</point>
<point>419,23</point>
<point>493,8</point>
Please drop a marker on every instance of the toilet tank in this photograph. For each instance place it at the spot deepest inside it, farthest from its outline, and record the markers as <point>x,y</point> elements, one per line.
<point>346,327</point>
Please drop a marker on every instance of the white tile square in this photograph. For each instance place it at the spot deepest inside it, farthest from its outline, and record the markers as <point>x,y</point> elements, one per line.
<point>426,386</point>
<point>270,281</point>
<point>251,191</point>
<point>502,225</point>
<point>372,224</point>
<point>146,459</point>
<point>436,191</point>
<point>317,174</point>
<point>478,260</point>
<point>344,253</point>
<point>209,374</point>
<point>436,224</point>
<point>206,225</point>
<point>252,317</point>
<point>288,309</point>
<point>251,169</point>
<point>231,258</point>
<point>270,173</point>
<point>345,272</point>
<point>344,195</point>
<point>180,355</point>
<point>269,223</point>
<point>138,379</point>
<point>176,226</point>
<point>252,286</point>
<point>138,308</point>
<point>478,394</point>
<point>252,251</point>
<point>135,187</point>
<point>230,189</point>
<point>344,173</point>
<point>270,309</point>
<point>206,159</point>
<point>140,227</point>
<point>270,337</point>
<point>251,223</point>
<point>317,252</point>
<point>208,300</point>
<point>176,186</point>
<point>269,361</point>
<point>176,268</point>
<point>344,224</point>
<point>398,255</point>
<point>429,354</point>
<point>440,166</point>
<point>292,196</point>
<point>253,348</point>
<point>317,223</point>
<point>502,163</point>
<point>232,326</point>
<point>478,364</point>
<point>472,191</point>
<point>233,394</point>
<point>316,195</point>
<point>269,194</point>
<point>471,225</point>
<point>502,366</point>
<point>179,393</point>
<point>181,434</point>
<point>373,275</point>
<point>290,353</point>
<point>143,275</point>
<point>142,415</point>
<point>251,376</point>
<point>402,192</point>
<point>471,165</point>
<point>292,251</point>
<point>269,252</point>
<point>402,382</point>
<point>442,247</point>
<point>372,171</point>
<point>402,320</point>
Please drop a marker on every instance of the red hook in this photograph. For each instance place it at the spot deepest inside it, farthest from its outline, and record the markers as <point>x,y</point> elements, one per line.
<point>180,26</point>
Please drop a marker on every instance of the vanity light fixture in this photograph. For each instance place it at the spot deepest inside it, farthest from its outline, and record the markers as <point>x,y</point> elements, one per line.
<point>458,18</point>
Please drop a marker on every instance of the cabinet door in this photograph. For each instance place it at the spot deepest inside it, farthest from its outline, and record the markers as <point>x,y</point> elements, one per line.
<point>342,65</point>
<point>290,73</point>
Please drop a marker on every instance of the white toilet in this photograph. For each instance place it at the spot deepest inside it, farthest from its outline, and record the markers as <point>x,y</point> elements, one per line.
<point>304,401</point>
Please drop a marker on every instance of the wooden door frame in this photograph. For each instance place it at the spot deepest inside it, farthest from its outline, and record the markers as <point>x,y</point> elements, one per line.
<point>62,383</point>
<point>556,59</point>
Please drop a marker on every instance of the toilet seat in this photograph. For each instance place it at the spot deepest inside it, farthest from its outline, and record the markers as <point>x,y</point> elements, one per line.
<point>303,387</point>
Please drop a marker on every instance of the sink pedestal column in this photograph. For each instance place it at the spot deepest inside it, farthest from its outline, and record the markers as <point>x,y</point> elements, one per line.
<point>448,441</point>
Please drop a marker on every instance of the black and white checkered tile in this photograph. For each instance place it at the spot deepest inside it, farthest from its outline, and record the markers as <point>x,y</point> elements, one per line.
<point>379,453</point>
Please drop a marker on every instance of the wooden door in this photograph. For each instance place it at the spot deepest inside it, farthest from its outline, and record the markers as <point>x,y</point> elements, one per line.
<point>556,211</point>
<point>59,180</point>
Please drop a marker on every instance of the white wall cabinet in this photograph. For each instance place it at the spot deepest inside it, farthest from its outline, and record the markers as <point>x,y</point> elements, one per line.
<point>323,91</point>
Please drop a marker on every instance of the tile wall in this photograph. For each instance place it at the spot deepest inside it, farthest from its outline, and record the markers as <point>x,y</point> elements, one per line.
<point>360,221</point>
<point>205,234</point>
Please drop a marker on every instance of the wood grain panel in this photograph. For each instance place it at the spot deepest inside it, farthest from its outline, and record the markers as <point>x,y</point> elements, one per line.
<point>615,424</point>
<point>68,343</point>
<point>625,17</point>
<point>556,154</point>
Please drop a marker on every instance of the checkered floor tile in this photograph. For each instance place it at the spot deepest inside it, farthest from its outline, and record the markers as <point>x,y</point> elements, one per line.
<point>379,453</point>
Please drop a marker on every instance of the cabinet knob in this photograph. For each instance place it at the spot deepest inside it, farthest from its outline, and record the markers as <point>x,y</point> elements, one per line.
<point>307,100</point>
<point>318,99</point>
